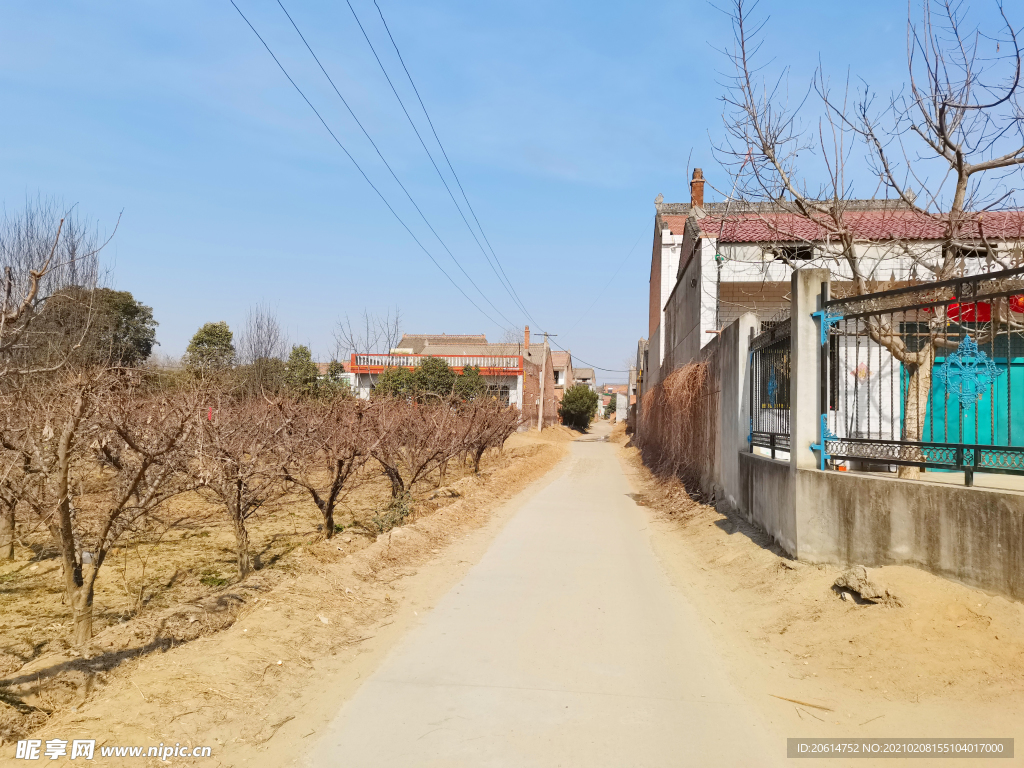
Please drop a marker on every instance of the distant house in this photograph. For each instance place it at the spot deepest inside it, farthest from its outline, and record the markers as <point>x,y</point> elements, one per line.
<point>513,372</point>
<point>564,376</point>
<point>586,376</point>
<point>345,376</point>
<point>415,343</point>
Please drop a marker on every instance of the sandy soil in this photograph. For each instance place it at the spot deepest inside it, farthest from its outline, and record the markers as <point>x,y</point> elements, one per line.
<point>949,662</point>
<point>235,666</point>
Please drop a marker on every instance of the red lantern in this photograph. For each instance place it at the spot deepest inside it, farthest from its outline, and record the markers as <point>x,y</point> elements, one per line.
<point>970,313</point>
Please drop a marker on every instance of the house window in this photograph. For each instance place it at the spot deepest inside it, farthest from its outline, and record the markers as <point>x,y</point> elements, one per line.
<point>789,253</point>
<point>558,378</point>
<point>499,392</point>
<point>968,252</point>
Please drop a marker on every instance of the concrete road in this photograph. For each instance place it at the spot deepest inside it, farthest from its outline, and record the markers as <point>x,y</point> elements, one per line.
<point>566,645</point>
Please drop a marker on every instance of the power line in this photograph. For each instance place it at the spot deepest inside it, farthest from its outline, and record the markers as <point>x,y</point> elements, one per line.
<point>388,165</point>
<point>508,287</point>
<point>503,278</point>
<point>358,167</point>
<point>614,274</point>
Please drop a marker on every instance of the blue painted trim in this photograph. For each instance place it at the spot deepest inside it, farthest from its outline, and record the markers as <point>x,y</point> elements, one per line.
<point>826,435</point>
<point>828,319</point>
<point>968,372</point>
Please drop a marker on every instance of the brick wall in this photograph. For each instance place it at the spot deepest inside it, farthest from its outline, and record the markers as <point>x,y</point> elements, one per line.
<point>654,302</point>
<point>531,391</point>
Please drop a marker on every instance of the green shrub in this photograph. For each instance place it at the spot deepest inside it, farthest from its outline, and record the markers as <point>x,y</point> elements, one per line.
<point>395,382</point>
<point>578,407</point>
<point>394,514</point>
<point>211,349</point>
<point>470,383</point>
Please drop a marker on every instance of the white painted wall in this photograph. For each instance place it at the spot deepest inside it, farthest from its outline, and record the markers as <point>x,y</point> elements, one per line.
<point>671,244</point>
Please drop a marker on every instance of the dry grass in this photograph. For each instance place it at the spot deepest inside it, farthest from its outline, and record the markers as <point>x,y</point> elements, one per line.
<point>163,588</point>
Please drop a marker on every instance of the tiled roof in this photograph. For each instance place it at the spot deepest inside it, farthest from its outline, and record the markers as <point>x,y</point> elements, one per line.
<point>876,225</point>
<point>322,367</point>
<point>584,373</point>
<point>417,341</point>
<point>560,359</point>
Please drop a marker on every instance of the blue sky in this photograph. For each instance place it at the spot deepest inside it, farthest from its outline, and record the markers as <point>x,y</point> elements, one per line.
<point>564,121</point>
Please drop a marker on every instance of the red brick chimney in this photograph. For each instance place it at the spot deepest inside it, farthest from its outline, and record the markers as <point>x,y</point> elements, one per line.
<point>697,189</point>
<point>526,338</point>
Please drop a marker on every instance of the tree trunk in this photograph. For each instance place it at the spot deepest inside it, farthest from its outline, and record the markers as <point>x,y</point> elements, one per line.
<point>328,513</point>
<point>7,533</point>
<point>241,535</point>
<point>79,584</point>
<point>397,486</point>
<point>915,408</point>
<point>476,458</point>
<point>81,611</point>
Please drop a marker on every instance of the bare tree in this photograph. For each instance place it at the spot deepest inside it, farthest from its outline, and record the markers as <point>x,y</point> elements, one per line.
<point>944,149</point>
<point>42,252</point>
<point>331,445</point>
<point>410,439</point>
<point>262,347</point>
<point>96,458</point>
<point>262,337</point>
<point>238,448</point>
<point>371,333</point>
<point>8,506</point>
<point>487,424</point>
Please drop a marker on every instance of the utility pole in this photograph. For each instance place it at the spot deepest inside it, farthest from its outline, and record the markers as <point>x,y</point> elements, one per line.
<point>543,377</point>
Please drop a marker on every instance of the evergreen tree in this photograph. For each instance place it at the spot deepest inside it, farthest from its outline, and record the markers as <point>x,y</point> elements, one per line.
<point>435,377</point>
<point>470,383</point>
<point>211,349</point>
<point>578,407</point>
<point>301,373</point>
<point>395,382</point>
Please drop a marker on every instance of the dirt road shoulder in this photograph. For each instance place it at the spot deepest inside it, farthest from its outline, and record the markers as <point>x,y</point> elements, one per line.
<point>949,662</point>
<point>256,691</point>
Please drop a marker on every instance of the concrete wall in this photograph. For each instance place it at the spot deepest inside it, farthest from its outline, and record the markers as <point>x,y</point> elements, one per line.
<point>728,358</point>
<point>767,499</point>
<point>682,327</point>
<point>973,535</point>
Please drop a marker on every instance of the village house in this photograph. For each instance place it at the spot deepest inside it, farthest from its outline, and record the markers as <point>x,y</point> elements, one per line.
<point>827,400</point>
<point>585,376</point>
<point>564,377</point>
<point>520,374</point>
<point>713,262</point>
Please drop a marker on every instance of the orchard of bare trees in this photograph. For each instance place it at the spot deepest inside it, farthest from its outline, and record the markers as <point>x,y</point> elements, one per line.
<point>96,449</point>
<point>92,453</point>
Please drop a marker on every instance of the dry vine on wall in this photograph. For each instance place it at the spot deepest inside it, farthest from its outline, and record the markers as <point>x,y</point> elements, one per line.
<point>677,434</point>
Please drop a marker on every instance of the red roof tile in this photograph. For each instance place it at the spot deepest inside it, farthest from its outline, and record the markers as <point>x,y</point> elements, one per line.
<point>866,225</point>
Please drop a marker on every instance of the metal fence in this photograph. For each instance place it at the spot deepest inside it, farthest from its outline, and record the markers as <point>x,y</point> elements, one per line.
<point>769,387</point>
<point>929,375</point>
